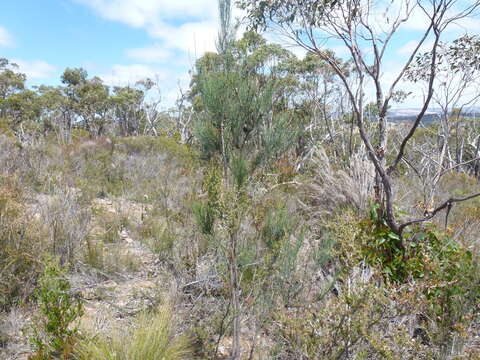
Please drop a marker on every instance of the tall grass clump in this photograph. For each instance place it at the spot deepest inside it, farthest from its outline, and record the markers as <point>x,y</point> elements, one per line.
<point>21,246</point>
<point>151,337</point>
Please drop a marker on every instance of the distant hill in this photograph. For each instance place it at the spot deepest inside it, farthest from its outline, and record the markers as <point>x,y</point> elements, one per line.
<point>431,116</point>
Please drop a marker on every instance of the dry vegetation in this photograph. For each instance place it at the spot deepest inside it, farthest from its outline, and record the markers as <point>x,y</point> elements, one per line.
<point>317,280</point>
<point>268,218</point>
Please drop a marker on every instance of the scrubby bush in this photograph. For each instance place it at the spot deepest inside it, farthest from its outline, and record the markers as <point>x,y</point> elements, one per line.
<point>22,243</point>
<point>67,221</point>
<point>54,332</point>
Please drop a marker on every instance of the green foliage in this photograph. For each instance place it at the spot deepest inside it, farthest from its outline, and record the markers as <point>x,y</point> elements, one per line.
<point>239,122</point>
<point>277,140</point>
<point>240,170</point>
<point>152,337</point>
<point>382,248</point>
<point>209,139</point>
<point>208,211</point>
<point>260,13</point>
<point>157,235</point>
<point>428,255</point>
<point>205,217</point>
<point>160,144</point>
<point>448,271</point>
<point>55,334</point>
<point>277,226</point>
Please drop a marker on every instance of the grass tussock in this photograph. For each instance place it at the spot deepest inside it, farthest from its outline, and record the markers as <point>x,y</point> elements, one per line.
<point>151,337</point>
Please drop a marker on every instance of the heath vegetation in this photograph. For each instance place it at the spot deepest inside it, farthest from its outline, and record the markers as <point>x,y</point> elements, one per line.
<point>276,213</point>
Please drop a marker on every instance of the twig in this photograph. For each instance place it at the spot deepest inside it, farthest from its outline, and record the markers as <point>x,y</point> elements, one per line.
<point>445,205</point>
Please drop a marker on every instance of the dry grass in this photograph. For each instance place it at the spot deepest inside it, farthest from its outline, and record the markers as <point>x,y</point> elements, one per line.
<point>150,337</point>
<point>22,244</point>
<point>335,188</point>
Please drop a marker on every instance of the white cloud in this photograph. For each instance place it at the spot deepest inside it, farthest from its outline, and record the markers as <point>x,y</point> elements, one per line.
<point>5,37</point>
<point>142,13</point>
<point>190,26</point>
<point>181,32</point>
<point>151,54</point>
<point>191,37</point>
<point>35,69</point>
<point>122,75</point>
<point>408,48</point>
<point>168,80</point>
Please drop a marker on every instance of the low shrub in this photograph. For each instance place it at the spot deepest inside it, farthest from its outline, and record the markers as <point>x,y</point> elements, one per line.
<point>157,235</point>
<point>67,221</point>
<point>54,333</point>
<point>148,144</point>
<point>438,268</point>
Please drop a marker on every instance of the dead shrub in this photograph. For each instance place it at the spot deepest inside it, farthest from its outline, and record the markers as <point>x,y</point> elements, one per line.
<point>67,222</point>
<point>22,243</point>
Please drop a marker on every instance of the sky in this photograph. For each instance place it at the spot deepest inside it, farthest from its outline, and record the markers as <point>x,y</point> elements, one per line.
<point>123,41</point>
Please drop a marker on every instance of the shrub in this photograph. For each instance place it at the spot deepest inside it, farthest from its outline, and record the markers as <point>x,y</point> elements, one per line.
<point>205,217</point>
<point>157,235</point>
<point>206,212</point>
<point>21,246</point>
<point>435,266</point>
<point>67,221</point>
<point>361,322</point>
<point>148,144</point>
<point>54,333</point>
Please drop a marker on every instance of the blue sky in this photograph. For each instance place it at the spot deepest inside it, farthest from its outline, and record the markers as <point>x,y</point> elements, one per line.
<point>120,41</point>
<point>125,40</point>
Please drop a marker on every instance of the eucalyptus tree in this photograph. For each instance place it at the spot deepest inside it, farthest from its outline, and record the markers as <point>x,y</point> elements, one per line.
<point>89,100</point>
<point>316,95</point>
<point>455,91</point>
<point>366,29</point>
<point>127,104</point>
<point>12,82</point>
<point>22,107</point>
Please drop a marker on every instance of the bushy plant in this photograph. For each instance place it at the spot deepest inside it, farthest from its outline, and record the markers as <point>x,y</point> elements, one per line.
<point>208,211</point>
<point>55,334</point>
<point>438,268</point>
<point>157,235</point>
<point>160,144</point>
<point>205,217</point>
<point>361,322</point>
<point>67,221</point>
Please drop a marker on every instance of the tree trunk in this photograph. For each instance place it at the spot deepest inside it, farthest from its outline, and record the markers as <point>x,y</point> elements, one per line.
<point>235,354</point>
